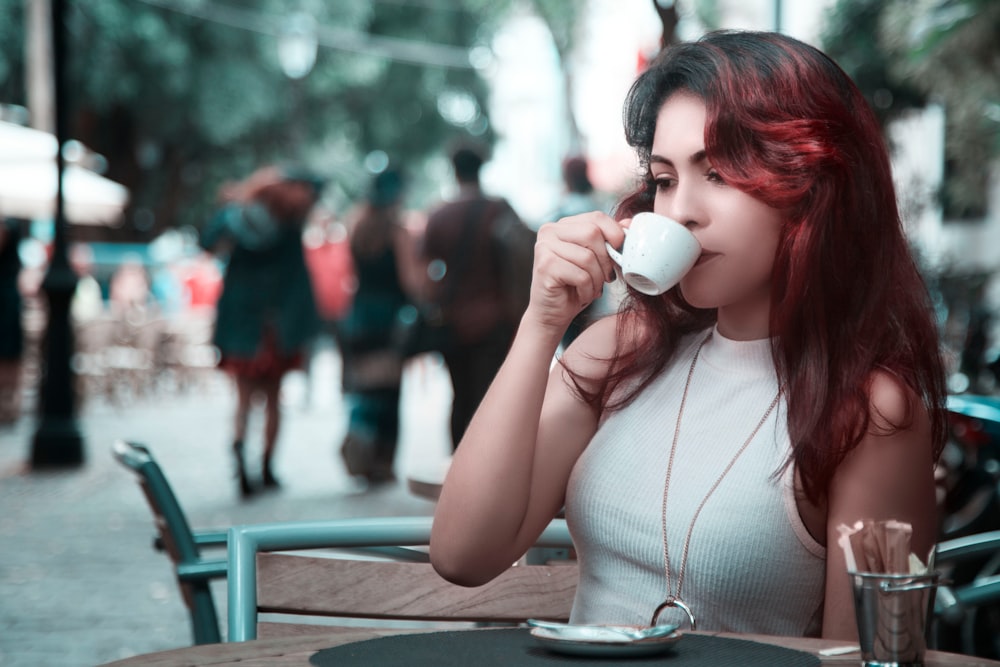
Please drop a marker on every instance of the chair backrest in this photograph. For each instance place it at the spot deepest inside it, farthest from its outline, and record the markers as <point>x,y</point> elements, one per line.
<point>175,536</point>
<point>171,522</point>
<point>332,585</point>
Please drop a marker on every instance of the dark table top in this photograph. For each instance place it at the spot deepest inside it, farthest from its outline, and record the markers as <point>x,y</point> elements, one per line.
<point>297,651</point>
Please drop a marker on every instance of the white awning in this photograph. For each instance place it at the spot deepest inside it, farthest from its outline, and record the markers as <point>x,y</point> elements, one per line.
<point>28,182</point>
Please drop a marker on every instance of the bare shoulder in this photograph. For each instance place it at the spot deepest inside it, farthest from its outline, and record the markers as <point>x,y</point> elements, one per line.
<point>895,451</point>
<point>893,406</point>
<point>593,349</point>
<point>898,442</point>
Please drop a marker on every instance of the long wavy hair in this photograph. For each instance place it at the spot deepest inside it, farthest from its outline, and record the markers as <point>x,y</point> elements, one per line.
<point>380,216</point>
<point>787,126</point>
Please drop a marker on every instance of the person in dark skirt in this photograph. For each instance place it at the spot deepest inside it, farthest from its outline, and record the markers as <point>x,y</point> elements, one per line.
<point>266,314</point>
<point>11,331</point>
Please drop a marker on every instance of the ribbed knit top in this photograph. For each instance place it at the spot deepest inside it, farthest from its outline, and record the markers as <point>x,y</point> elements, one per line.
<point>752,566</point>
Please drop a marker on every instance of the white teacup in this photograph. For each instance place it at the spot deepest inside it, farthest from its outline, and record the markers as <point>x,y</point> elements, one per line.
<point>657,253</point>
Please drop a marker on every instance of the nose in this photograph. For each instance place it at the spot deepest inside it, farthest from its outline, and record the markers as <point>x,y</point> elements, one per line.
<point>684,206</point>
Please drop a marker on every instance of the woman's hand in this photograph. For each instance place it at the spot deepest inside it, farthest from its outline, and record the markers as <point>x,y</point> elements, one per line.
<point>571,267</point>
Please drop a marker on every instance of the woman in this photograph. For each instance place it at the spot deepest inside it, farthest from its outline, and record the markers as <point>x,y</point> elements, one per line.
<point>266,314</point>
<point>708,443</point>
<point>373,363</point>
<point>11,329</point>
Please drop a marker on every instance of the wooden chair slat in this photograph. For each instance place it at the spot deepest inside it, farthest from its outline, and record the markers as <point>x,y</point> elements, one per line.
<point>299,584</point>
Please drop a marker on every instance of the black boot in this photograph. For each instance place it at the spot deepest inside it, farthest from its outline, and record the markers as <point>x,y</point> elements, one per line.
<point>270,481</point>
<point>241,470</point>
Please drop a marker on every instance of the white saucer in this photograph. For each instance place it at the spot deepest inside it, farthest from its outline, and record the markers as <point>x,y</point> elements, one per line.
<point>597,640</point>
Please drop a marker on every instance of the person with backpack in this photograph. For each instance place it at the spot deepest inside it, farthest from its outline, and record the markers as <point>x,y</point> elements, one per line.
<point>471,247</point>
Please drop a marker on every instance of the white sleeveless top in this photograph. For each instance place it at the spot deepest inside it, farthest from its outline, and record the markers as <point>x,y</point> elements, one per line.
<point>752,566</point>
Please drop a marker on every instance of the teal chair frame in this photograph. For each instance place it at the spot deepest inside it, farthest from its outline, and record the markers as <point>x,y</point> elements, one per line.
<point>387,536</point>
<point>958,604</point>
<point>175,536</point>
<point>986,588</point>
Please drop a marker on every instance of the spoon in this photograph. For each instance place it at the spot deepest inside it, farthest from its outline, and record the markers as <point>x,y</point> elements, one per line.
<point>634,634</point>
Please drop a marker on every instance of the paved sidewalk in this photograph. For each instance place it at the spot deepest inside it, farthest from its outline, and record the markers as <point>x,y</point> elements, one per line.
<point>80,583</point>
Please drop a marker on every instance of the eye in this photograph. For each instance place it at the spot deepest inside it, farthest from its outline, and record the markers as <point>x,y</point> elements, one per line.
<point>714,177</point>
<point>664,182</point>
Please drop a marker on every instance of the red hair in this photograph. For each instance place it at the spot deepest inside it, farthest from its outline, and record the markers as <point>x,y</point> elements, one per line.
<point>289,201</point>
<point>788,127</point>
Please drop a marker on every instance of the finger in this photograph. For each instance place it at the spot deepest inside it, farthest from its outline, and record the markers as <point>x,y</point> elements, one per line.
<point>586,228</point>
<point>591,230</point>
<point>589,261</point>
<point>566,277</point>
<point>610,229</point>
<point>565,290</point>
<point>581,249</point>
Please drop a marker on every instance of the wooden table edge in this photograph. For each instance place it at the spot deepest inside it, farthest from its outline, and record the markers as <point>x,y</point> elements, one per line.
<point>300,648</point>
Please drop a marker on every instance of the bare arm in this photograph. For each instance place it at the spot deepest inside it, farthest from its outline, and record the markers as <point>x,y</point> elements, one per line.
<point>411,268</point>
<point>890,475</point>
<point>508,476</point>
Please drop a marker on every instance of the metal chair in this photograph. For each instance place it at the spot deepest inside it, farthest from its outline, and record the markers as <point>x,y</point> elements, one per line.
<point>400,585</point>
<point>967,610</point>
<point>174,535</point>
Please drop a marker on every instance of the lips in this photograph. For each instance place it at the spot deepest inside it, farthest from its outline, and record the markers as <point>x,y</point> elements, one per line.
<point>705,257</point>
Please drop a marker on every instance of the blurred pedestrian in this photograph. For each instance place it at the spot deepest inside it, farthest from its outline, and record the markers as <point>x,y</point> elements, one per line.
<point>372,361</point>
<point>331,268</point>
<point>578,194</point>
<point>467,283</point>
<point>266,314</point>
<point>11,328</point>
<point>129,290</point>
<point>328,257</point>
<point>88,300</point>
<point>973,359</point>
<point>201,278</point>
<point>579,197</point>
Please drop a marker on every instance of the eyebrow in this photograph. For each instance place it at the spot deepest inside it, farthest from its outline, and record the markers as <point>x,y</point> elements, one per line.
<point>695,158</point>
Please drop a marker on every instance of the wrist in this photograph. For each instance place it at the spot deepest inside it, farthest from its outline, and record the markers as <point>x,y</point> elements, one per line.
<point>540,330</point>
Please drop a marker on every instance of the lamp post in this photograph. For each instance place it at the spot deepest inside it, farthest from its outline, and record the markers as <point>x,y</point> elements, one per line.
<point>57,441</point>
<point>297,45</point>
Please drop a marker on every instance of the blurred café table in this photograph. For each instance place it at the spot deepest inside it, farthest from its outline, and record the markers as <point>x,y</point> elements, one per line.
<point>427,480</point>
<point>509,647</point>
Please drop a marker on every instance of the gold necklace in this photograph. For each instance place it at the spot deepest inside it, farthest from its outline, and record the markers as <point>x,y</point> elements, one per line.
<point>674,599</point>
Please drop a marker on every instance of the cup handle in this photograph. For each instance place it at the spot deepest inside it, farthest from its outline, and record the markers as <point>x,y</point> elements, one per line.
<point>615,255</point>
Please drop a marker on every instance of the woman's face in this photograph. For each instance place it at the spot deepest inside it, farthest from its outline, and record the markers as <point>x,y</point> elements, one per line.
<point>738,234</point>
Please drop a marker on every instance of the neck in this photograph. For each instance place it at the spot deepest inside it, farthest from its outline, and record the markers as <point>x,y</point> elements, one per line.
<point>747,320</point>
<point>468,189</point>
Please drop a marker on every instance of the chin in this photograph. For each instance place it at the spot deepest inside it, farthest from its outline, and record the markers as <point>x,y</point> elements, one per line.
<point>695,297</point>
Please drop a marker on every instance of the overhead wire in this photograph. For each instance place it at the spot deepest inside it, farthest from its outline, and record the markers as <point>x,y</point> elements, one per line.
<point>391,48</point>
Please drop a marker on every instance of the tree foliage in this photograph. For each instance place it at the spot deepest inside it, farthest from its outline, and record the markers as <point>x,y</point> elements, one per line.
<point>851,38</point>
<point>906,53</point>
<point>181,95</point>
